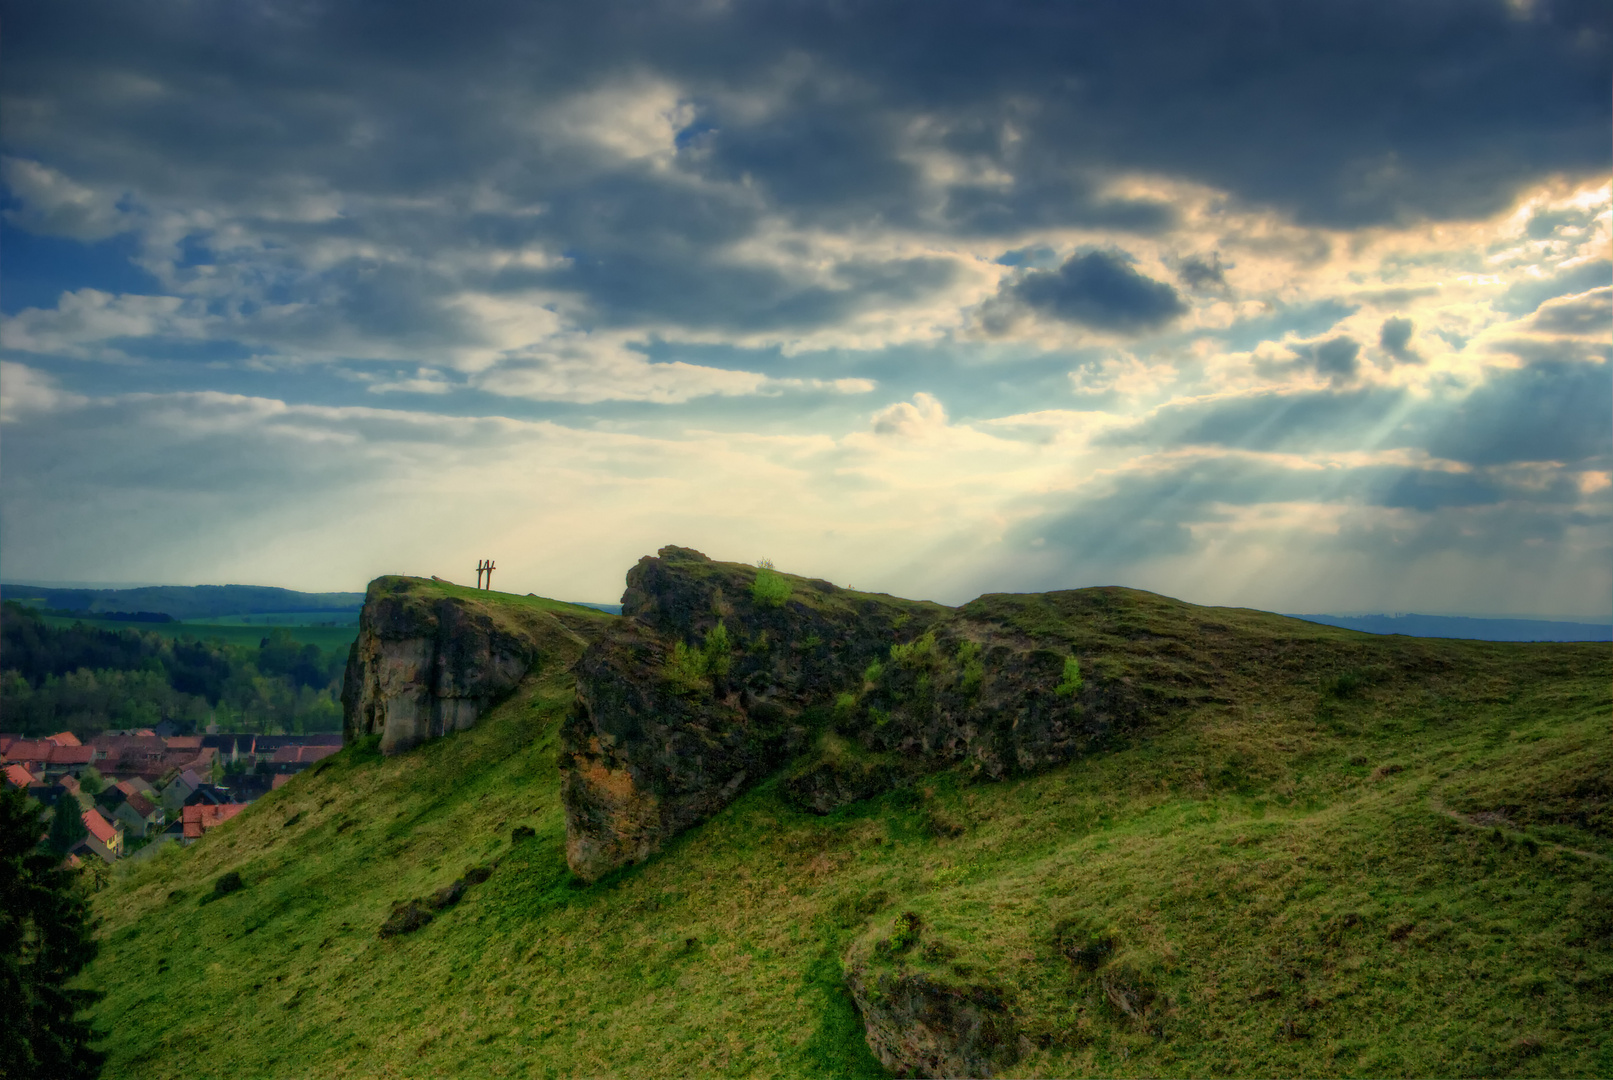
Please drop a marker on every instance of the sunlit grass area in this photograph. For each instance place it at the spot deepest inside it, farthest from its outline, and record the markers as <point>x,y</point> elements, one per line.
<point>1392,860</point>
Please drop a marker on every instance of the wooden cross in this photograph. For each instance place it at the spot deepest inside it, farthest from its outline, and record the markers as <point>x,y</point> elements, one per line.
<point>481,565</point>
<point>489,569</point>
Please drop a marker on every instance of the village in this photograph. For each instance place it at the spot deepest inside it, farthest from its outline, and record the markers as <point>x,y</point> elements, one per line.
<point>138,790</point>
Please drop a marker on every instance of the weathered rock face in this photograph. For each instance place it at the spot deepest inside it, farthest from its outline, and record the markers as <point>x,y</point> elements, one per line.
<point>918,1025</point>
<point>675,718</point>
<point>972,693</point>
<point>650,755</point>
<point>721,673</point>
<point>427,663</point>
<point>826,784</point>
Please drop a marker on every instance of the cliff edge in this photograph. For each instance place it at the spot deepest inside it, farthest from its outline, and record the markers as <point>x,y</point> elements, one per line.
<point>431,657</point>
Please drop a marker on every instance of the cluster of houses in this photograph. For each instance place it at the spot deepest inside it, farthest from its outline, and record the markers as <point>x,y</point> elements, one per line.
<point>156,785</point>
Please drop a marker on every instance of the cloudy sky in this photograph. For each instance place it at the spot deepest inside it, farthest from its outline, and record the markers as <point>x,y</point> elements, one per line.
<point>1295,305</point>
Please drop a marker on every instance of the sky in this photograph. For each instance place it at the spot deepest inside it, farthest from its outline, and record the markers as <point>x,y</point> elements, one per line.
<point>1304,306</point>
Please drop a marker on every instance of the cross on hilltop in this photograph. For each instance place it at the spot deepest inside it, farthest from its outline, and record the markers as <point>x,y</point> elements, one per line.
<point>484,566</point>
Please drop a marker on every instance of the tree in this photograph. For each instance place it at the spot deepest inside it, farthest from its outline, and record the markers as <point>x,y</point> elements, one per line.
<point>46,938</point>
<point>67,825</point>
<point>91,782</point>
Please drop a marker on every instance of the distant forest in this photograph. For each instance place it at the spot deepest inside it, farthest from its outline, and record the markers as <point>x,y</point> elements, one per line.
<point>184,601</point>
<point>87,680</point>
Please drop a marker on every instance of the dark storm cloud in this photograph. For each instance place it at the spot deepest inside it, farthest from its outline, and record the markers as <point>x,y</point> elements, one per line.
<point>1099,290</point>
<point>1394,338</point>
<point>419,127</point>
<point>1207,275</point>
<point>1335,358</point>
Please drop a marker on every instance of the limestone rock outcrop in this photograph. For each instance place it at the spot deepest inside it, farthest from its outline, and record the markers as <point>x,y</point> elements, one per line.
<point>674,717</point>
<point>721,673</point>
<point>430,660</point>
<point>920,1025</point>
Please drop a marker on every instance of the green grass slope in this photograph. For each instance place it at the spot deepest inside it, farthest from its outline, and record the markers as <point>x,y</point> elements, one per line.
<point>1393,859</point>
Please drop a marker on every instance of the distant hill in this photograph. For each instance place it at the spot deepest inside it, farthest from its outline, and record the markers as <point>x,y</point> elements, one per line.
<point>187,601</point>
<point>1451,626</point>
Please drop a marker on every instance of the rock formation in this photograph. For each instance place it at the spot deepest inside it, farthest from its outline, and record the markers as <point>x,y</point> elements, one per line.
<point>675,717</point>
<point>721,673</point>
<point>918,1025</point>
<point>920,1020</point>
<point>428,661</point>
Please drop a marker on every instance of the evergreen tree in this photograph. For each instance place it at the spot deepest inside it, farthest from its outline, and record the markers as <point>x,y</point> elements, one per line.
<point>67,825</point>
<point>46,937</point>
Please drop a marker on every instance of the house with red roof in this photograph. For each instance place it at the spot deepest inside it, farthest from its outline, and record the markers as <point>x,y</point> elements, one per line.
<point>18,776</point>
<point>201,818</point>
<point>106,838</point>
<point>31,753</point>
<point>44,758</point>
<point>71,760</point>
<point>131,755</point>
<point>64,738</point>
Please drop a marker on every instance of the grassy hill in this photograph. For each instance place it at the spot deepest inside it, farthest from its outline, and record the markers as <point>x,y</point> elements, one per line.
<point>1358,856</point>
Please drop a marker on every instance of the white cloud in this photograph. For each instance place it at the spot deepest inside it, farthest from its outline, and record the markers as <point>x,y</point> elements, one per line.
<point>83,321</point>
<point>591,368</point>
<point>56,205</point>
<point>24,390</point>
<point>630,121</point>
<point>923,416</point>
<point>425,381</point>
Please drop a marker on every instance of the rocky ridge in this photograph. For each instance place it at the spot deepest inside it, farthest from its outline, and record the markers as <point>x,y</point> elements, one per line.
<point>722,673</point>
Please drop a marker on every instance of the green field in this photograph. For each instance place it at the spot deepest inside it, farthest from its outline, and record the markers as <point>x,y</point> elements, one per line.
<point>326,637</point>
<point>288,619</point>
<point>1361,856</point>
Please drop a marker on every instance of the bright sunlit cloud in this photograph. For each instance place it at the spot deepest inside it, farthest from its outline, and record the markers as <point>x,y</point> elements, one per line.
<point>1047,298</point>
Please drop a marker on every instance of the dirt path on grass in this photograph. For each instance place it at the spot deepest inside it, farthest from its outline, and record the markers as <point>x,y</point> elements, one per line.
<point>1488,820</point>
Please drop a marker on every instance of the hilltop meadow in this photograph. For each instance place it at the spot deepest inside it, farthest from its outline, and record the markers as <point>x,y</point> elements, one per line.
<point>1391,857</point>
